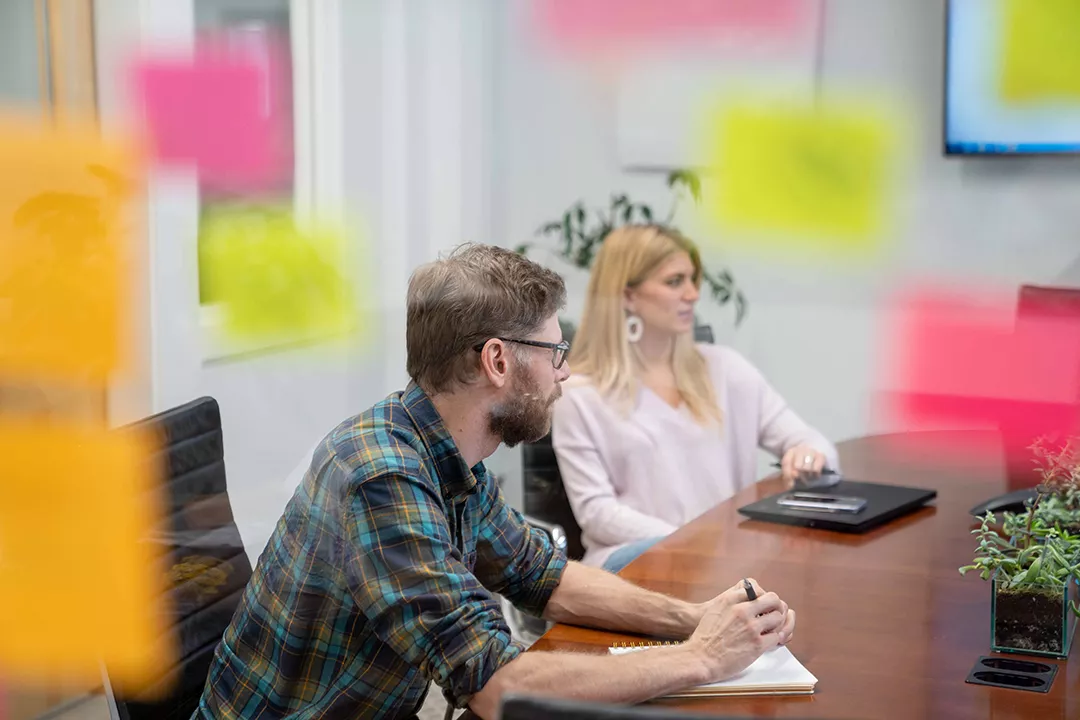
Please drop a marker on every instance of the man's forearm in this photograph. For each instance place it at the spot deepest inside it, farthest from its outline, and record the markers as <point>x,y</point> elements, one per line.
<point>630,678</point>
<point>596,598</point>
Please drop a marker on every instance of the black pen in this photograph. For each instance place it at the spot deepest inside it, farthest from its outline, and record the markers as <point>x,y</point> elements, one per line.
<point>750,594</point>
<point>824,471</point>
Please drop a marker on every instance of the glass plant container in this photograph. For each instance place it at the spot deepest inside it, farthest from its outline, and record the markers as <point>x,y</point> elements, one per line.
<point>1032,619</point>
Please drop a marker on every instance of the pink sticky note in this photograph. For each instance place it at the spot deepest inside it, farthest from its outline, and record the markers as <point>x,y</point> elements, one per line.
<point>218,111</point>
<point>589,23</point>
<point>982,362</point>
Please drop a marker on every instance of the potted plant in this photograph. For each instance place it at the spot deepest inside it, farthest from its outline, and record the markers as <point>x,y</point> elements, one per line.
<point>1033,560</point>
<point>579,233</point>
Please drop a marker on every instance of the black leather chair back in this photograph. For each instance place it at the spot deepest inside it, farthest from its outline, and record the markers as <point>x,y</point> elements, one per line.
<point>204,553</point>
<point>545,496</point>
<point>531,708</point>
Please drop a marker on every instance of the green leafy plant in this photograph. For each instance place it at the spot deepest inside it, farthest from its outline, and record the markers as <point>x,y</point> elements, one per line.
<point>579,233</point>
<point>1040,547</point>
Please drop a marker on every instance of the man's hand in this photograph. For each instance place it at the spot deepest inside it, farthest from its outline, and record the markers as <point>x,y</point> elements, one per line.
<point>735,631</point>
<point>731,634</point>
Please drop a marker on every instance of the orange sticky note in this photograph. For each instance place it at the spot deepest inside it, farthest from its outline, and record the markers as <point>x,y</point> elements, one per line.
<point>62,250</point>
<point>79,585</point>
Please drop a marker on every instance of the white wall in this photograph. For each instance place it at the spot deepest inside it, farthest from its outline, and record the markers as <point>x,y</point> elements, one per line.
<point>813,329</point>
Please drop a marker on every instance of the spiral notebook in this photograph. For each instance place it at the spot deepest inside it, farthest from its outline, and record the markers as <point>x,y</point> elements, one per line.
<point>776,672</point>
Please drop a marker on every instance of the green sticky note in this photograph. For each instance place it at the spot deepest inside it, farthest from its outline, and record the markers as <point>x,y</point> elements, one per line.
<point>274,280</point>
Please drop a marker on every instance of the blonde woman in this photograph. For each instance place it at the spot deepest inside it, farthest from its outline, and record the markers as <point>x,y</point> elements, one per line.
<point>652,429</point>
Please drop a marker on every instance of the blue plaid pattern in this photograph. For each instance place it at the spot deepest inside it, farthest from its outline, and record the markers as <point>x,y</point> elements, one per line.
<point>379,579</point>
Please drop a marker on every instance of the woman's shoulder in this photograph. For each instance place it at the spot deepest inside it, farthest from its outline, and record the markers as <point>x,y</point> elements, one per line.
<point>728,362</point>
<point>580,402</point>
<point>580,388</point>
<point>719,354</point>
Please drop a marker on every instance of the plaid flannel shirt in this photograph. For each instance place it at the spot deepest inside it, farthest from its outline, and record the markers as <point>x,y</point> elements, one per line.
<point>379,578</point>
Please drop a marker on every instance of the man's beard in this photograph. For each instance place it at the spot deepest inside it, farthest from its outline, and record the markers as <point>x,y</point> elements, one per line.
<point>526,415</point>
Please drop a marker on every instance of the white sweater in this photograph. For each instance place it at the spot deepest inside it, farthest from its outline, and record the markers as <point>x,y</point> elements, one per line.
<point>640,476</point>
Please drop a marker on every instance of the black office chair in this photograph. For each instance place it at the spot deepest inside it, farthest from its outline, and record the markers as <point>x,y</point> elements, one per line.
<point>1021,475</point>
<point>545,496</point>
<point>208,566</point>
<point>532,708</point>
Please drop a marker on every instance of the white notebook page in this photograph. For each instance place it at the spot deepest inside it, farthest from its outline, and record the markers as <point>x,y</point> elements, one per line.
<point>775,668</point>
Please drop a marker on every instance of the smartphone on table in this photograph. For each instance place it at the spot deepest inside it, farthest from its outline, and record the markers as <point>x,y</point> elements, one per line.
<point>822,502</point>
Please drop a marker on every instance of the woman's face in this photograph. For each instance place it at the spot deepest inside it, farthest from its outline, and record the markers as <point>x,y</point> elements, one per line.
<point>665,299</point>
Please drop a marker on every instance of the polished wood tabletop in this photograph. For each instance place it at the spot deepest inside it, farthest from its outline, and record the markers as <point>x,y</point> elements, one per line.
<point>884,620</point>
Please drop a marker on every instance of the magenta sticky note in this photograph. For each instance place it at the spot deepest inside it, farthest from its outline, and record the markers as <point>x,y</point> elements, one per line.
<point>592,23</point>
<point>984,362</point>
<point>213,111</point>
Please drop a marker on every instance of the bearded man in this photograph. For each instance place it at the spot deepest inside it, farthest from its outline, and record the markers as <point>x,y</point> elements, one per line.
<point>380,576</point>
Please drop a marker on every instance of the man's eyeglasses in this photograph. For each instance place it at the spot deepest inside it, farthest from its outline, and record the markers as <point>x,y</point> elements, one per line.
<point>558,350</point>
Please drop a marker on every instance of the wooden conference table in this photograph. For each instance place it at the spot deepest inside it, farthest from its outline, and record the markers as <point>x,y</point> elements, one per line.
<point>885,621</point>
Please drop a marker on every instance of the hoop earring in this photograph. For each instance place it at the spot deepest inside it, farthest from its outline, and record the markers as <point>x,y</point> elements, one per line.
<point>634,328</point>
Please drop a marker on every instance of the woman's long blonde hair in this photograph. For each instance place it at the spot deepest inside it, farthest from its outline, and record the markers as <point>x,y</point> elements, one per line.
<point>601,351</point>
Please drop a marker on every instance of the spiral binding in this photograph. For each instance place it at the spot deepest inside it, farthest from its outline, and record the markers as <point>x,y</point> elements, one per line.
<point>645,643</point>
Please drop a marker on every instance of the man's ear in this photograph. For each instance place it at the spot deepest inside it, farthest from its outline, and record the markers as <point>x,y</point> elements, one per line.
<point>495,363</point>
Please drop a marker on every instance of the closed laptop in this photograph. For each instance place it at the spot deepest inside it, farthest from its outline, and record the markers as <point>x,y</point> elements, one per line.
<point>883,503</point>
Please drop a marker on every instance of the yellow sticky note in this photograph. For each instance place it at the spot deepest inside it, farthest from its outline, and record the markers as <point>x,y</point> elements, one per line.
<point>275,280</point>
<point>1041,50</point>
<point>801,174</point>
<point>78,583</point>
<point>62,250</point>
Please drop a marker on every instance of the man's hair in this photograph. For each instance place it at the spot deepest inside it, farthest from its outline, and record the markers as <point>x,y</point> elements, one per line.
<point>476,293</point>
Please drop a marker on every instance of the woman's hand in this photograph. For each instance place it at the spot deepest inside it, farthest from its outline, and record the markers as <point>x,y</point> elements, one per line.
<point>801,462</point>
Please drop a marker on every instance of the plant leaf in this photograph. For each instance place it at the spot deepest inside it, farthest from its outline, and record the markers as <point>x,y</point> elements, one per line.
<point>688,179</point>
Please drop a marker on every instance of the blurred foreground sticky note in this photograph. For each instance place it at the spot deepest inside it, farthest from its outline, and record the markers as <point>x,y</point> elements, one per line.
<point>214,111</point>
<point>964,362</point>
<point>807,177</point>
<point>273,280</point>
<point>1041,50</point>
<point>63,250</point>
<point>598,23</point>
<point>78,584</point>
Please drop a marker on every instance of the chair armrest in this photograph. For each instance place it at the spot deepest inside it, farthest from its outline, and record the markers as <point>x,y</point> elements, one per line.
<point>555,532</point>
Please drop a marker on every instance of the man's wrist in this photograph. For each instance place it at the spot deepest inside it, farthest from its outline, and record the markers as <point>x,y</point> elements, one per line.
<point>687,617</point>
<point>697,662</point>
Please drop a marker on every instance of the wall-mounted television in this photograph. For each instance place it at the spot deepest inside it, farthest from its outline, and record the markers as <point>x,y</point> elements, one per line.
<point>977,120</point>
